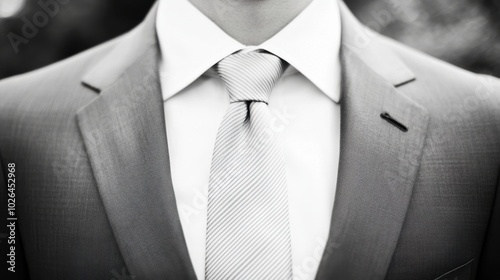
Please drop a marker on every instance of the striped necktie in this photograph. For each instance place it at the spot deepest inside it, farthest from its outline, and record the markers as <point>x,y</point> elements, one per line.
<point>248,234</point>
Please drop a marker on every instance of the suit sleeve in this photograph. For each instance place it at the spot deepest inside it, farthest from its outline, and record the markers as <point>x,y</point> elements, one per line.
<point>490,259</point>
<point>21,270</point>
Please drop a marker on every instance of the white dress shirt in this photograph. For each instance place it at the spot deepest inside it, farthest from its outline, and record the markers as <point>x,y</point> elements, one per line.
<point>304,102</point>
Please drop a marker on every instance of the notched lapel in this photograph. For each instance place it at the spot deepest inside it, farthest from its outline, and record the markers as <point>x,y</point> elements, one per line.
<point>124,134</point>
<point>378,167</point>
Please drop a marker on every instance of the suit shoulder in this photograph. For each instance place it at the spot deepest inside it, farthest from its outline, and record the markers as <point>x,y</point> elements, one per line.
<point>55,88</point>
<point>49,95</point>
<point>439,83</point>
<point>52,79</point>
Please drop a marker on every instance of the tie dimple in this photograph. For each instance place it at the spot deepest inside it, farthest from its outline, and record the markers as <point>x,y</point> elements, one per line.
<point>250,76</point>
<point>248,234</point>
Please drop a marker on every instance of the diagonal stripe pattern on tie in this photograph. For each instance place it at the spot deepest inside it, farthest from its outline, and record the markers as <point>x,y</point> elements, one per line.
<point>248,234</point>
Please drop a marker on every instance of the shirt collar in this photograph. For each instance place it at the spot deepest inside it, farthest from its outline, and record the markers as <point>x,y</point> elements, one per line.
<point>191,44</point>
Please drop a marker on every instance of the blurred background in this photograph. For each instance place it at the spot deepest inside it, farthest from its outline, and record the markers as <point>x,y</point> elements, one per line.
<point>35,33</point>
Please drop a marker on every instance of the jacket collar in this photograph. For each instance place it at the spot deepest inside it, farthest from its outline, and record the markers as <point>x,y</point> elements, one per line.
<point>127,50</point>
<point>369,47</point>
<point>361,41</point>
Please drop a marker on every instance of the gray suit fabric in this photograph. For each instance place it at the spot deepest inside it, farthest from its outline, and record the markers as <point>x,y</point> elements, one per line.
<point>95,199</point>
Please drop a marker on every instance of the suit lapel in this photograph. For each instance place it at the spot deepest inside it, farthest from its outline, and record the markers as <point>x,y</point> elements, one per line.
<point>124,133</point>
<point>378,161</point>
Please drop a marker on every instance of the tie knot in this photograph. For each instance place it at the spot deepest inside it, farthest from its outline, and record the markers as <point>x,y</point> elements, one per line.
<point>250,76</point>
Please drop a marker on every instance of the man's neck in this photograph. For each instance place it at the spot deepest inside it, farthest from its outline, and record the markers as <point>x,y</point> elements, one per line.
<point>251,22</point>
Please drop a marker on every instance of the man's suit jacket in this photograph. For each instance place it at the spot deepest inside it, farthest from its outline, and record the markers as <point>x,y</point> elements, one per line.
<point>417,194</point>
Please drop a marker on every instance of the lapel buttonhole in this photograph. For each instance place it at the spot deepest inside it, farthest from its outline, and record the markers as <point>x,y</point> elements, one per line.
<point>394,122</point>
